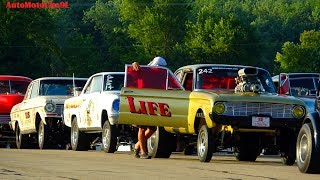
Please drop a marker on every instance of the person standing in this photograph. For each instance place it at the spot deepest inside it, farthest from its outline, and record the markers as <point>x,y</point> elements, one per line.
<point>145,132</point>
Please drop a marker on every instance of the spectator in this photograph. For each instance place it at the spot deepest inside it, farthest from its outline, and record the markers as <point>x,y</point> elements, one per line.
<point>145,132</point>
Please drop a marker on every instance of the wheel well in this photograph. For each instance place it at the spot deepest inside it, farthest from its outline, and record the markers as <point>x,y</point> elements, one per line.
<point>306,121</point>
<point>199,120</point>
<point>38,119</point>
<point>72,117</point>
<point>104,117</point>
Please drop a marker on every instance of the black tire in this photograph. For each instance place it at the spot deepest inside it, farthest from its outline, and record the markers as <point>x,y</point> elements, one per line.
<point>109,137</point>
<point>289,157</point>
<point>248,147</point>
<point>188,150</point>
<point>205,144</point>
<point>307,156</point>
<point>160,144</point>
<point>21,139</point>
<point>79,140</point>
<point>43,136</point>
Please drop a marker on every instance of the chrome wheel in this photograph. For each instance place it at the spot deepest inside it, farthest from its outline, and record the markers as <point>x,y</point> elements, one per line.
<point>202,143</point>
<point>152,141</point>
<point>303,149</point>
<point>106,138</point>
<point>40,135</point>
<point>74,136</point>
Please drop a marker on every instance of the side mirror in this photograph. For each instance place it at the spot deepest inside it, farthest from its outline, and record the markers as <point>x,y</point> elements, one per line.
<point>77,91</point>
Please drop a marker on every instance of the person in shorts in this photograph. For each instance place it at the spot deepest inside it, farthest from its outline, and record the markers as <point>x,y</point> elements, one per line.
<point>145,132</point>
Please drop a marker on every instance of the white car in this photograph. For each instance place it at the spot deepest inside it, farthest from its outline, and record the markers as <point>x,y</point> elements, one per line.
<point>94,111</point>
<point>38,118</point>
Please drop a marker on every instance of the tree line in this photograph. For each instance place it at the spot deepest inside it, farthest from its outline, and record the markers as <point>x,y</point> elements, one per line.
<point>93,36</point>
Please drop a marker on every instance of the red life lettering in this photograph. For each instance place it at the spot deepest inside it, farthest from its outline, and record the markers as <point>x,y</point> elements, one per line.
<point>152,107</point>
<point>131,105</point>
<point>143,109</point>
<point>164,109</point>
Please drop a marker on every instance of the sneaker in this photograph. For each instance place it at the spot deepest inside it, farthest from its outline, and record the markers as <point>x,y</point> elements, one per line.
<point>145,156</point>
<point>136,153</point>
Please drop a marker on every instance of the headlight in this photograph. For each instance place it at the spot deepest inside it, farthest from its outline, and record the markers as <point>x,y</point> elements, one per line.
<point>115,105</point>
<point>219,108</point>
<point>49,107</point>
<point>298,111</point>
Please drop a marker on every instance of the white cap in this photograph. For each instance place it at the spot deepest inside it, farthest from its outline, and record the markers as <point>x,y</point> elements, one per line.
<point>158,61</point>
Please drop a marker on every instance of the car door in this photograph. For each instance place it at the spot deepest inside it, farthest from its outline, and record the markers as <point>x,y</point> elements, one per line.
<point>91,93</point>
<point>27,114</point>
<point>153,96</point>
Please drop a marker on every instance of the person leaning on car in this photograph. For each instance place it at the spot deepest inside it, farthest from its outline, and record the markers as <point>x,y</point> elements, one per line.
<point>146,131</point>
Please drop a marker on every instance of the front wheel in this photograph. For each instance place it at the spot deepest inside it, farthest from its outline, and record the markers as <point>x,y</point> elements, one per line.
<point>43,136</point>
<point>160,144</point>
<point>307,156</point>
<point>248,147</point>
<point>289,156</point>
<point>205,144</point>
<point>79,140</point>
<point>21,139</point>
<point>109,137</point>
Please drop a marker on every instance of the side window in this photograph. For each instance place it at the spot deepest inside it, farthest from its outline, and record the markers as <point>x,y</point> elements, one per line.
<point>96,84</point>
<point>34,90</point>
<point>179,75</point>
<point>173,83</point>
<point>4,87</point>
<point>188,81</point>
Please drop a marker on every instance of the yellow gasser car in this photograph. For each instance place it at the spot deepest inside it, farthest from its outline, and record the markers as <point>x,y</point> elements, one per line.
<point>223,105</point>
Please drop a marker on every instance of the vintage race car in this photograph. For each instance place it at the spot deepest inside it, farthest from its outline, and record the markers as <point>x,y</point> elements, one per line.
<point>38,118</point>
<point>94,111</point>
<point>223,105</point>
<point>305,86</point>
<point>12,90</point>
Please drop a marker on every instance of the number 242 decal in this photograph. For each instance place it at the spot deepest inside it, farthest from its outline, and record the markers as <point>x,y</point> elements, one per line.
<point>208,70</point>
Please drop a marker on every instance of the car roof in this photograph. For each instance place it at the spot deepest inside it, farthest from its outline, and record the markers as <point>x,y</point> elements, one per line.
<point>17,78</point>
<point>104,73</point>
<point>195,66</point>
<point>294,75</point>
<point>60,78</point>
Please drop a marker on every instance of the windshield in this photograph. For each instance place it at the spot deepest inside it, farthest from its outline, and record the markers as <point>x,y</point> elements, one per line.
<point>13,87</point>
<point>303,86</point>
<point>59,87</point>
<point>224,78</point>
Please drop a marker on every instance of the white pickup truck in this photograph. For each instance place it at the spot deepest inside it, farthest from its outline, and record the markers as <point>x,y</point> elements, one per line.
<point>38,118</point>
<point>94,111</point>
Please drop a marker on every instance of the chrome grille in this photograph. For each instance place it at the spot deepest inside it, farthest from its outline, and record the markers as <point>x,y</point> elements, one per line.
<point>59,109</point>
<point>4,118</point>
<point>247,109</point>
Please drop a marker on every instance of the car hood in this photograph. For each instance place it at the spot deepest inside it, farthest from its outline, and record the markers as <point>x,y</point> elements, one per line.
<point>55,99</point>
<point>225,95</point>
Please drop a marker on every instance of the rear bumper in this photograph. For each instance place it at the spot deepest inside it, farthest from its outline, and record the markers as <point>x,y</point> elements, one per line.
<point>246,121</point>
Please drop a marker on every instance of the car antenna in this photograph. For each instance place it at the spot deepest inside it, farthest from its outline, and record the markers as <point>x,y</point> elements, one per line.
<point>74,85</point>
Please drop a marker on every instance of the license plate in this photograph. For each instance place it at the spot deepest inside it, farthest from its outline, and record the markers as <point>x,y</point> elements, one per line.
<point>260,121</point>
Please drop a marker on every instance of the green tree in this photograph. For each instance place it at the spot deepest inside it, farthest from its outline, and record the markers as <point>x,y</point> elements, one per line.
<point>111,36</point>
<point>158,26</point>
<point>25,41</point>
<point>219,33</point>
<point>301,57</point>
